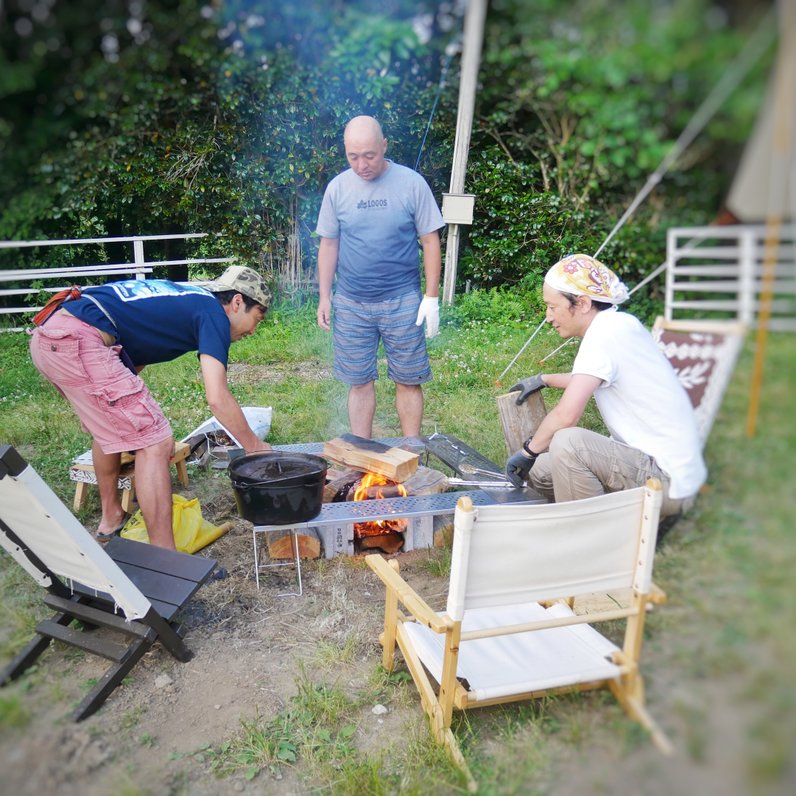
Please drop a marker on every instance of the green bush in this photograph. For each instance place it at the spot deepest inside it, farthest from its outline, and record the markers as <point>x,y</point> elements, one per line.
<point>573,117</point>
<point>496,305</point>
<point>221,118</point>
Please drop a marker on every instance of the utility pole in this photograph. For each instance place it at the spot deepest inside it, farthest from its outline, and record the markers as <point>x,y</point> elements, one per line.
<point>457,207</point>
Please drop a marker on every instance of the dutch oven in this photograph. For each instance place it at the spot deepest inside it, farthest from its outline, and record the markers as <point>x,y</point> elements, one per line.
<point>278,488</point>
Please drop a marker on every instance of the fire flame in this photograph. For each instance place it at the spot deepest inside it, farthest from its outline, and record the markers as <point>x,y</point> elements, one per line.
<point>370,488</point>
<point>370,480</point>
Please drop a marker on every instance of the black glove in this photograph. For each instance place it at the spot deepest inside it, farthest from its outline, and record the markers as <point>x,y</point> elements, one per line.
<point>528,386</point>
<point>518,466</point>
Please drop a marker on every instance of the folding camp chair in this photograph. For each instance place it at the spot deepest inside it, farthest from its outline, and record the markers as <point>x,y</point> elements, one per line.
<point>509,632</point>
<point>703,353</point>
<point>130,590</point>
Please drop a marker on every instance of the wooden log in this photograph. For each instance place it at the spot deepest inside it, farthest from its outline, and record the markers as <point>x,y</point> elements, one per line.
<point>349,450</point>
<point>281,546</point>
<point>426,481</point>
<point>381,491</point>
<point>388,543</point>
<point>338,486</point>
<point>443,533</point>
<point>520,422</point>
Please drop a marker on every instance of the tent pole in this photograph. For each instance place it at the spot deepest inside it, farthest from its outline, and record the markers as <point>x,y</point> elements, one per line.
<point>780,173</point>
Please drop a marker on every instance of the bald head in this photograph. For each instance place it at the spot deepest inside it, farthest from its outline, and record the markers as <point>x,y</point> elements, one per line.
<point>365,147</point>
<point>363,126</point>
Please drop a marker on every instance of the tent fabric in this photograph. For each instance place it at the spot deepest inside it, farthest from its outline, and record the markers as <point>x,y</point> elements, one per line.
<point>769,153</point>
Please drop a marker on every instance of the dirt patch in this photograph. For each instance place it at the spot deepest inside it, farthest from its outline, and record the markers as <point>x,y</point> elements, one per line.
<point>252,647</point>
<point>241,373</point>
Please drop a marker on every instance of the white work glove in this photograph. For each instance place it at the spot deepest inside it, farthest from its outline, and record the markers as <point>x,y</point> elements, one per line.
<point>429,312</point>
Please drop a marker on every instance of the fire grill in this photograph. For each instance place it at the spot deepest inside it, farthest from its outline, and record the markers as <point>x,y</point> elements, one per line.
<point>335,523</point>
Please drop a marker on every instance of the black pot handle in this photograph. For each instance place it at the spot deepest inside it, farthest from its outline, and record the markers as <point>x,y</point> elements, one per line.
<point>271,483</point>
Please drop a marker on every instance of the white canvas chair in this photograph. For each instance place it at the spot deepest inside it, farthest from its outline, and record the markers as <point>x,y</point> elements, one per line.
<point>509,632</point>
<point>128,589</point>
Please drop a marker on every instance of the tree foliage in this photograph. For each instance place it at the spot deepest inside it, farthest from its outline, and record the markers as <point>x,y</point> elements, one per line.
<point>579,109</point>
<point>198,118</point>
<point>123,117</point>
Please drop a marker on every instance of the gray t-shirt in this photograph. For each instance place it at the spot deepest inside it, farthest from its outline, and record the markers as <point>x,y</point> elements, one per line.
<point>378,223</point>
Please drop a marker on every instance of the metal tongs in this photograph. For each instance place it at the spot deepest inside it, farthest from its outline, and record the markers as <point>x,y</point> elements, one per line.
<point>500,481</point>
<point>504,484</point>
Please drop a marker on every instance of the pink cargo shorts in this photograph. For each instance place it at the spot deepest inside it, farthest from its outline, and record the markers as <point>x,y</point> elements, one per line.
<point>113,404</point>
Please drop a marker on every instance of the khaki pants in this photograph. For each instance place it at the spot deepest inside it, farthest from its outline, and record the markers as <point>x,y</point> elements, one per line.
<point>582,464</point>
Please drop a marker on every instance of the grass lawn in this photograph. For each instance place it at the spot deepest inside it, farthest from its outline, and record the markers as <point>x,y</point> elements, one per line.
<point>719,656</point>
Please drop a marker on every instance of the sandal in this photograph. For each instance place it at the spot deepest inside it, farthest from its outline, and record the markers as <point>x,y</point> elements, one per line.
<point>104,538</point>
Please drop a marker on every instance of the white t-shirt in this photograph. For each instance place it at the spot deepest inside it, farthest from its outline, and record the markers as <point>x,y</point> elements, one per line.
<point>641,399</point>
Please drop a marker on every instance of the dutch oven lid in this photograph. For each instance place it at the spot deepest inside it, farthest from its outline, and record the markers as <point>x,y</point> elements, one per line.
<point>275,467</point>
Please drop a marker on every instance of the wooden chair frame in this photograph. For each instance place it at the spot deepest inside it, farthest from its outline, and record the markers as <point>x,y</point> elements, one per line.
<point>132,591</point>
<point>407,613</point>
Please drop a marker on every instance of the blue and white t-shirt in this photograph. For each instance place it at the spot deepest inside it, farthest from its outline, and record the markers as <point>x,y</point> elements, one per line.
<point>378,223</point>
<point>158,320</point>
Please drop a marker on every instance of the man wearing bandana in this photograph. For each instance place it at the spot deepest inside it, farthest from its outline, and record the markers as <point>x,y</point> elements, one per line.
<point>652,426</point>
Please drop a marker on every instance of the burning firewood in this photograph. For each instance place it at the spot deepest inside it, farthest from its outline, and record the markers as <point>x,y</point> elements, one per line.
<point>377,492</point>
<point>388,532</point>
<point>375,487</point>
<point>338,487</point>
<point>388,543</point>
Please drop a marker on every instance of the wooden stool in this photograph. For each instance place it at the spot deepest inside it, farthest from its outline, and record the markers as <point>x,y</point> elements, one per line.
<point>82,472</point>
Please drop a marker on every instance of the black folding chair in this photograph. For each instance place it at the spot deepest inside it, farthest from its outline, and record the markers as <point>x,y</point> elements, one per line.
<point>131,590</point>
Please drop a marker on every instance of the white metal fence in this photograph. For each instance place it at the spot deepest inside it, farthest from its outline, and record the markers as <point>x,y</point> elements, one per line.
<point>17,284</point>
<point>718,272</point>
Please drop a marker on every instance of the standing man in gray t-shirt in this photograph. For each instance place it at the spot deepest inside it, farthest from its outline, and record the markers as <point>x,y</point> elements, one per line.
<point>370,221</point>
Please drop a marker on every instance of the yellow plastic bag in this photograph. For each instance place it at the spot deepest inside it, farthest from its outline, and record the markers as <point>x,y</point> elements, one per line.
<point>192,532</point>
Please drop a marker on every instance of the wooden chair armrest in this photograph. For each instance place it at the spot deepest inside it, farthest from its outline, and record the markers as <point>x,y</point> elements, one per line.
<point>407,596</point>
<point>657,595</point>
<point>710,326</point>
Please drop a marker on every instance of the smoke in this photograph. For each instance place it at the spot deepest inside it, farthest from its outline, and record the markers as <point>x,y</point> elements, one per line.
<point>296,73</point>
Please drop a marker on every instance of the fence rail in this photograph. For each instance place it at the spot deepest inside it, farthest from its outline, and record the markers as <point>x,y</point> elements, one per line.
<point>719,271</point>
<point>25,282</point>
